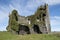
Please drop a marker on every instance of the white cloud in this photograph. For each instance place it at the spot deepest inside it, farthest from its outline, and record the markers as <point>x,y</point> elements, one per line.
<point>55,23</point>
<point>3,16</point>
<point>52,2</point>
<point>3,27</point>
<point>4,12</point>
<point>56,17</point>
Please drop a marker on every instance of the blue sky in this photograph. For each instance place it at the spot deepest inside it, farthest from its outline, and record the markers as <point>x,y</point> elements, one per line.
<point>28,7</point>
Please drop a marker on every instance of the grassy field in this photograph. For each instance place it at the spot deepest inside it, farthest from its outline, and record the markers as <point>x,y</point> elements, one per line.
<point>9,36</point>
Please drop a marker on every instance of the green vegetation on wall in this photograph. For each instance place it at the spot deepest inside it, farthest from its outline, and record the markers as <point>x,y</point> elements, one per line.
<point>13,25</point>
<point>39,14</point>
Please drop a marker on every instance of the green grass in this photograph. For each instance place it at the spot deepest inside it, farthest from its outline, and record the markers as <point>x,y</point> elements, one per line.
<point>9,36</point>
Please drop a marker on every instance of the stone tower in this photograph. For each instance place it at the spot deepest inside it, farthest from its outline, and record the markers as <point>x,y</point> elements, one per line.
<point>38,23</point>
<point>47,19</point>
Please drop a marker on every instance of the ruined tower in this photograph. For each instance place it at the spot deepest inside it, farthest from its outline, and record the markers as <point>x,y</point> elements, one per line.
<point>38,23</point>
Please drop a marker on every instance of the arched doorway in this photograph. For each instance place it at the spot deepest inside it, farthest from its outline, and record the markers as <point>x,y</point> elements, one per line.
<point>24,29</point>
<point>36,29</point>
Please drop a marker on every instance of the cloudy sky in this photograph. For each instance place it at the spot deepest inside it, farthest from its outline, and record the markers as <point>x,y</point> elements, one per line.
<point>28,7</point>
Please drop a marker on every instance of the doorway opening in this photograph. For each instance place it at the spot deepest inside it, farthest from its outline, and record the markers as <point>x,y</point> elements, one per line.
<point>24,29</point>
<point>36,29</point>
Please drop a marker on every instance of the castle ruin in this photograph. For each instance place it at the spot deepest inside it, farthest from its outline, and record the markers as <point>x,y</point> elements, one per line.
<point>38,23</point>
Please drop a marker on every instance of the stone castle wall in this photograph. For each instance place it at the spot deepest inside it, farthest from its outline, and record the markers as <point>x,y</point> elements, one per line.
<point>38,23</point>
